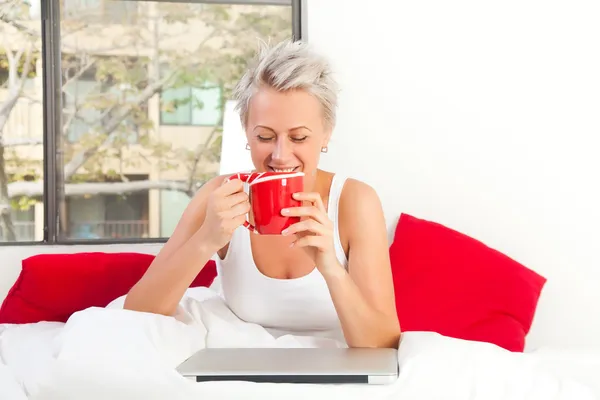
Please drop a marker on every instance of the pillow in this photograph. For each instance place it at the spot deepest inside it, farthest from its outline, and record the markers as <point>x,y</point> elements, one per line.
<point>452,284</point>
<point>51,287</point>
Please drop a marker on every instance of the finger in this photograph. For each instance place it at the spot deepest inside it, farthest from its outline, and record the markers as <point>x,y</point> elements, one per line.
<point>239,220</point>
<point>234,223</point>
<point>230,187</point>
<point>238,209</point>
<point>306,211</point>
<point>313,197</point>
<point>234,199</point>
<point>308,225</point>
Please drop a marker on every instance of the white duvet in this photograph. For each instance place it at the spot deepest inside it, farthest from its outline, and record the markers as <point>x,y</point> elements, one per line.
<point>115,354</point>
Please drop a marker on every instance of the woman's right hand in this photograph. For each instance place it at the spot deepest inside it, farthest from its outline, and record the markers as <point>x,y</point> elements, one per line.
<point>226,210</point>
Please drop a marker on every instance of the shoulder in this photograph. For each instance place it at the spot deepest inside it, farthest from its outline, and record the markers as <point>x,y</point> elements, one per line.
<point>357,195</point>
<point>360,207</point>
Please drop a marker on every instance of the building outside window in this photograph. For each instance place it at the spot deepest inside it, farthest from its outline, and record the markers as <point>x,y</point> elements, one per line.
<point>198,106</point>
<point>106,11</point>
<point>137,110</point>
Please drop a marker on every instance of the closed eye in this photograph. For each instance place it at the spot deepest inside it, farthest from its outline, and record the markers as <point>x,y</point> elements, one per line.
<point>293,139</point>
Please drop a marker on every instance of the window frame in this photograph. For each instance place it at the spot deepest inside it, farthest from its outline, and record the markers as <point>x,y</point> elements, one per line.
<point>53,184</point>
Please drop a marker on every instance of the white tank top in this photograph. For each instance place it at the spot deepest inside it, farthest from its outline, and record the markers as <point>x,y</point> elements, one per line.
<point>296,306</point>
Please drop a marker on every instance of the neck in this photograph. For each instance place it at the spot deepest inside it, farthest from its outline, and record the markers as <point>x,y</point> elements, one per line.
<point>312,180</point>
<point>319,182</point>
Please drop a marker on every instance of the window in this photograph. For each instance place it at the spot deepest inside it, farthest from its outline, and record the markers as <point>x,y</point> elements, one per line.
<point>112,216</point>
<point>21,127</point>
<point>199,106</point>
<point>111,146</point>
<point>23,226</point>
<point>89,92</point>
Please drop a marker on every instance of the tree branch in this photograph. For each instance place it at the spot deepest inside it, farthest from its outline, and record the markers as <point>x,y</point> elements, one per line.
<point>15,84</point>
<point>26,66</point>
<point>35,189</point>
<point>6,107</point>
<point>78,74</point>
<point>109,123</point>
<point>200,151</point>
<point>20,27</point>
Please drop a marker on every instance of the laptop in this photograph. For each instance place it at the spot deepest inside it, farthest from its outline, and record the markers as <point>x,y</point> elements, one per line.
<point>293,365</point>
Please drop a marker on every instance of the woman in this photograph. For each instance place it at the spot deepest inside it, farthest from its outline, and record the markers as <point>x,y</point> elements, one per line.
<point>328,273</point>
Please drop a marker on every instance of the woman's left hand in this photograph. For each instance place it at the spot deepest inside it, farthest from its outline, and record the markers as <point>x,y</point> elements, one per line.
<point>315,232</point>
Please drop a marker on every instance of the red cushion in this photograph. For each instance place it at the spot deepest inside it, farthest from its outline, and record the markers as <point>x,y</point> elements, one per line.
<point>452,284</point>
<point>51,287</point>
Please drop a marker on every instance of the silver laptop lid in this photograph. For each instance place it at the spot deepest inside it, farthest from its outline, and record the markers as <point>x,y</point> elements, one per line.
<point>302,365</point>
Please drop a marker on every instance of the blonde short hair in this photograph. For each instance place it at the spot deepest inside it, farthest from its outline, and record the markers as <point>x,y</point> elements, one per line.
<point>289,65</point>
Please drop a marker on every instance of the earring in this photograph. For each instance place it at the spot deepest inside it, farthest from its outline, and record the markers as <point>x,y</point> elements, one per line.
<point>324,149</point>
<point>247,146</point>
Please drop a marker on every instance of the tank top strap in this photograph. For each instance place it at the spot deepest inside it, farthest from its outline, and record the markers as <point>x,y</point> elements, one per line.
<point>335,192</point>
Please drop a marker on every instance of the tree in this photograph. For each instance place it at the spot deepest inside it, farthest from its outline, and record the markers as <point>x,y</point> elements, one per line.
<point>122,64</point>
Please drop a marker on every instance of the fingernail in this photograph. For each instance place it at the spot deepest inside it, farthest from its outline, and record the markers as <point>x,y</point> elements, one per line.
<point>284,232</point>
<point>285,211</point>
<point>292,244</point>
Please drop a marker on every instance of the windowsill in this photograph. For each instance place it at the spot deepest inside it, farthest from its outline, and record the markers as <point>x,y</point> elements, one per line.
<point>91,242</point>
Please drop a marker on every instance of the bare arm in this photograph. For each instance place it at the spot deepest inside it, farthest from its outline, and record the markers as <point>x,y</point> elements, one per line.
<point>364,296</point>
<point>187,250</point>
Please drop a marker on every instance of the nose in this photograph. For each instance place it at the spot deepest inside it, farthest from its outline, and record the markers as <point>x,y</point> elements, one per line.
<point>282,150</point>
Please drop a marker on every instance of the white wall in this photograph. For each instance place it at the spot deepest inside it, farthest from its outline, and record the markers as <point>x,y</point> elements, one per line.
<point>234,156</point>
<point>483,116</point>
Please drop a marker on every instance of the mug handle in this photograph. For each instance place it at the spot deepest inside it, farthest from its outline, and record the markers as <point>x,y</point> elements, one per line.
<point>246,178</point>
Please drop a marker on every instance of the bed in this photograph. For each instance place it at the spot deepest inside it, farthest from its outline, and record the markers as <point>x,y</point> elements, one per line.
<point>450,349</point>
<point>102,353</point>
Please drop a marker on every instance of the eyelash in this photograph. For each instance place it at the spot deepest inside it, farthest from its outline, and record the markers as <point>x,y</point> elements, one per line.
<point>297,140</point>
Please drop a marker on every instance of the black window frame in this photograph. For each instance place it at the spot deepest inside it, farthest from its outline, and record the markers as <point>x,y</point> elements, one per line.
<point>53,184</point>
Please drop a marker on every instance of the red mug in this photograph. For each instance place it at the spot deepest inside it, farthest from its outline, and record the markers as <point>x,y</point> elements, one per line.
<point>269,193</point>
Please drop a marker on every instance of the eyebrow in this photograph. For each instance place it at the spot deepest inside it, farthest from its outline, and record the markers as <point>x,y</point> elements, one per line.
<point>292,129</point>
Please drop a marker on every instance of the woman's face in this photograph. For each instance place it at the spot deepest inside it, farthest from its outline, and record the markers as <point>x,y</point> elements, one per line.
<point>286,131</point>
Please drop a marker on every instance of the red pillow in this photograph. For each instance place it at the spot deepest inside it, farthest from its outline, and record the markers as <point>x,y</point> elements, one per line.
<point>452,284</point>
<point>51,287</point>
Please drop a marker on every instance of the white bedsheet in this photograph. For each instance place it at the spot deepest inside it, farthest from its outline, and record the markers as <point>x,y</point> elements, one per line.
<point>118,354</point>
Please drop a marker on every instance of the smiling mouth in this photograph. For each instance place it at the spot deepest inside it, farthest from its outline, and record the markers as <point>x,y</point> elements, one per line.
<point>283,169</point>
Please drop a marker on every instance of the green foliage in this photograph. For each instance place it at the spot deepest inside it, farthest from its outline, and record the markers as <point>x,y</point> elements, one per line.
<point>23,203</point>
<point>20,67</point>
